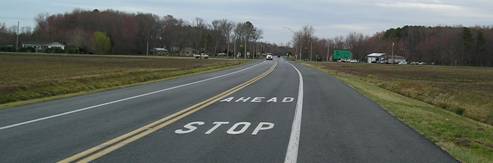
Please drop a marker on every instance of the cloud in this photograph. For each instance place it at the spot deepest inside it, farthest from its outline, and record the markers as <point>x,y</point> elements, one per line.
<point>422,6</point>
<point>437,7</point>
<point>328,17</point>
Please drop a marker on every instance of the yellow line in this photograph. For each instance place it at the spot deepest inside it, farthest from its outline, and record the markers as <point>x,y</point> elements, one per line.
<point>120,141</point>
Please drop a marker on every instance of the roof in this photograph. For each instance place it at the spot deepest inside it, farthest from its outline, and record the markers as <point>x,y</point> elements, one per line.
<point>55,43</point>
<point>44,44</point>
<point>376,54</point>
<point>160,49</point>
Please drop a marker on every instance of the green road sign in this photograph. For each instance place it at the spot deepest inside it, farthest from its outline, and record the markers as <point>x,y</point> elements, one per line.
<point>342,55</point>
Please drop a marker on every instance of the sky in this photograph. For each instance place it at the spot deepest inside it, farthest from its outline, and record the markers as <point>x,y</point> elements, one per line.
<point>277,18</point>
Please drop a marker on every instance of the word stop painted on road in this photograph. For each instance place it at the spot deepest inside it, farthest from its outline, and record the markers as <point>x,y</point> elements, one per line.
<point>234,129</point>
<point>259,99</point>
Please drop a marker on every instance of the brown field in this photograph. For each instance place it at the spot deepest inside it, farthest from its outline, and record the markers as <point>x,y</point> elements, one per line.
<point>25,77</point>
<point>467,91</point>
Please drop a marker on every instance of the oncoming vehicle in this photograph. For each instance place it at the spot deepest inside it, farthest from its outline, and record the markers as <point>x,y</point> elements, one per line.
<point>268,57</point>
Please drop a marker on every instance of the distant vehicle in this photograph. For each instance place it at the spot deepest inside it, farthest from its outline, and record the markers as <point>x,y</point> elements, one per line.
<point>418,63</point>
<point>278,56</point>
<point>201,56</point>
<point>403,63</point>
<point>269,57</point>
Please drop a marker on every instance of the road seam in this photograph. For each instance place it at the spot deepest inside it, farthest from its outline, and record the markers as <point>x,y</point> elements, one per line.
<point>120,141</point>
<point>294,138</point>
<point>124,99</point>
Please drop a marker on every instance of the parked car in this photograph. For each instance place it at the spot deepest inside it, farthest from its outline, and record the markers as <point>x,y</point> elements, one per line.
<point>201,56</point>
<point>403,63</point>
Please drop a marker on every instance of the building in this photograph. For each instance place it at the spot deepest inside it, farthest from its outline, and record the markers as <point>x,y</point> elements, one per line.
<point>34,46</point>
<point>376,58</point>
<point>55,45</point>
<point>159,51</point>
<point>383,58</point>
<point>40,47</point>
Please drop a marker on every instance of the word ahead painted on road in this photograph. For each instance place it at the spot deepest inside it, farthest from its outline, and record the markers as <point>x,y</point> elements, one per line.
<point>234,129</point>
<point>258,99</point>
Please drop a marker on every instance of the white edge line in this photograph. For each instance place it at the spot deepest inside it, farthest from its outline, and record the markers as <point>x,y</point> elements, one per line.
<point>294,138</point>
<point>124,99</point>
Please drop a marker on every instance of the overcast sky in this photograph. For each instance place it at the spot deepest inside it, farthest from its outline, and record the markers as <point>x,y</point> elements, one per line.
<point>329,17</point>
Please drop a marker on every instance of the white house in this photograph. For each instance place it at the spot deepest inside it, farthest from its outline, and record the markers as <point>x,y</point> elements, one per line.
<point>34,46</point>
<point>383,58</point>
<point>39,47</point>
<point>376,58</point>
<point>56,45</point>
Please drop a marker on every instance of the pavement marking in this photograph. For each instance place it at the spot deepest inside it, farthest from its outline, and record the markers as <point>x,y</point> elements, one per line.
<point>294,138</point>
<point>120,141</point>
<point>258,99</point>
<point>124,99</point>
<point>237,128</point>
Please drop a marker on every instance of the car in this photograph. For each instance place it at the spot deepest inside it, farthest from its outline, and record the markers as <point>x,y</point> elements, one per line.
<point>268,57</point>
<point>201,56</point>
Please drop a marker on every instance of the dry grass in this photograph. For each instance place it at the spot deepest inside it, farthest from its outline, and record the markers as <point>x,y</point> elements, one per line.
<point>467,91</point>
<point>465,139</point>
<point>25,77</point>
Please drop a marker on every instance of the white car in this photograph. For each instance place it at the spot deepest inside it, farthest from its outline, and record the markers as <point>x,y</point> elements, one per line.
<point>268,57</point>
<point>201,56</point>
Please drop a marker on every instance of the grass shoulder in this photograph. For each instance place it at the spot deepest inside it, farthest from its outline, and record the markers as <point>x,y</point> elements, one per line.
<point>465,139</point>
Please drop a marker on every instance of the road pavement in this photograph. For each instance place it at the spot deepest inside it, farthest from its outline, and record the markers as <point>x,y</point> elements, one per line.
<point>267,111</point>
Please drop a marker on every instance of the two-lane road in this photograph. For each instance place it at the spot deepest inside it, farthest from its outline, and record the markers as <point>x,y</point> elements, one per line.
<point>269,111</point>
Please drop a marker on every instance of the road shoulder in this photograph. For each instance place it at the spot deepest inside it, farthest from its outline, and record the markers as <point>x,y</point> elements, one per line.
<point>465,139</point>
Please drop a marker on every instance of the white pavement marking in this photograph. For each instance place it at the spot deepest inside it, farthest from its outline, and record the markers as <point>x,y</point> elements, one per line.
<point>294,138</point>
<point>124,99</point>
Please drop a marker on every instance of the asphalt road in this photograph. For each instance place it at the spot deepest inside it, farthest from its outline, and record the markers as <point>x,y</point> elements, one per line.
<point>269,111</point>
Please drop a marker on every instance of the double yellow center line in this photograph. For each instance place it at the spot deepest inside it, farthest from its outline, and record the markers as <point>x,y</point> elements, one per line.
<point>120,141</point>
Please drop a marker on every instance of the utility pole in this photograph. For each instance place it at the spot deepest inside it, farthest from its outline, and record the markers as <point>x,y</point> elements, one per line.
<point>17,38</point>
<point>227,45</point>
<point>234,47</point>
<point>245,55</point>
<point>328,50</point>
<point>254,49</point>
<point>300,53</point>
<point>311,49</point>
<point>147,46</point>
<point>393,52</point>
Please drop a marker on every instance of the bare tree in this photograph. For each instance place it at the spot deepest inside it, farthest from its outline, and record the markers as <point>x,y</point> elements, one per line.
<point>226,28</point>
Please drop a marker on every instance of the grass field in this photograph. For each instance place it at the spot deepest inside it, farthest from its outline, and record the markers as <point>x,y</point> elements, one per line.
<point>466,91</point>
<point>27,77</point>
<point>415,95</point>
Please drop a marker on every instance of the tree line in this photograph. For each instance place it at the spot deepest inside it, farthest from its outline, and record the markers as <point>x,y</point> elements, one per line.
<point>443,45</point>
<point>116,32</point>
